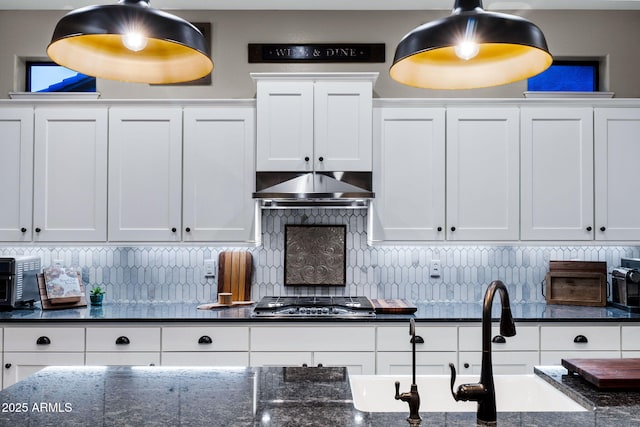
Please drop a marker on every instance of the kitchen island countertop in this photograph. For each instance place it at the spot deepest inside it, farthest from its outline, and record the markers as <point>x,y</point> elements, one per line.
<point>426,312</point>
<point>178,396</point>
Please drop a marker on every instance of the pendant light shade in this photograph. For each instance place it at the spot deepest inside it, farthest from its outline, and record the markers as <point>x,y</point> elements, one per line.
<point>471,48</point>
<point>130,41</point>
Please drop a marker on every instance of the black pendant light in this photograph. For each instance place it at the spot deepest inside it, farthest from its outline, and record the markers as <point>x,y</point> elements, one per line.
<point>471,48</point>
<point>130,41</point>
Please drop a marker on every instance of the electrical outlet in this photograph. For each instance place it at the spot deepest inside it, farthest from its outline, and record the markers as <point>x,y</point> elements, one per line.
<point>434,268</point>
<point>209,268</point>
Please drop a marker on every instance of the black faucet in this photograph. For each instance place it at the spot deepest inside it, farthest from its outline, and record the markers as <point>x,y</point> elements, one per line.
<point>484,392</point>
<point>412,397</point>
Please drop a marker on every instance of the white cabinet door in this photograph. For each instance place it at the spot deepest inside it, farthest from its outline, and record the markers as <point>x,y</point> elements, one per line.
<point>219,174</point>
<point>483,173</point>
<point>504,363</point>
<point>617,150</point>
<point>427,363</point>
<point>342,126</point>
<point>145,173</point>
<point>557,173</point>
<point>285,126</point>
<point>409,164</point>
<point>357,363</point>
<point>70,174</point>
<point>16,174</point>
<point>18,366</point>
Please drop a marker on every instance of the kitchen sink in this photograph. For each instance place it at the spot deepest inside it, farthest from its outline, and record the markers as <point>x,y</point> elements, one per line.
<point>514,393</point>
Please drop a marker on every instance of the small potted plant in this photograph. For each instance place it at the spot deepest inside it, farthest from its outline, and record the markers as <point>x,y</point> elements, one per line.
<point>96,295</point>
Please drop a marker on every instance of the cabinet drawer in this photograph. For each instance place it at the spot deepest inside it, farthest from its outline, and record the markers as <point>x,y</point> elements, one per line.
<point>123,339</point>
<point>129,358</point>
<point>311,338</point>
<point>580,337</point>
<point>631,338</point>
<point>436,338</point>
<point>200,358</point>
<point>226,338</point>
<point>427,363</point>
<point>526,338</point>
<point>44,339</point>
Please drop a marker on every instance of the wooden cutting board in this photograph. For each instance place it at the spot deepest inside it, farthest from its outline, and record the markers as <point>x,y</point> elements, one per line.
<point>393,306</point>
<point>234,274</point>
<point>607,373</point>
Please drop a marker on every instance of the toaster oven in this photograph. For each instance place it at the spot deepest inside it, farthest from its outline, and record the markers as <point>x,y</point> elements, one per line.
<point>19,281</point>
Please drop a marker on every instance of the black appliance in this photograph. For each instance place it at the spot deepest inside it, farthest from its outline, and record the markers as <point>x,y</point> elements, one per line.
<point>341,307</point>
<point>18,281</point>
<point>625,285</point>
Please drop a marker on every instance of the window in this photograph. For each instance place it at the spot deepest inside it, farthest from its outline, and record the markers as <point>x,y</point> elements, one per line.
<point>43,76</point>
<point>567,76</point>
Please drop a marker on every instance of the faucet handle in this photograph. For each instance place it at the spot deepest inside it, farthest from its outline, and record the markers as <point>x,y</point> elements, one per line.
<point>453,380</point>
<point>466,392</point>
<point>397,396</point>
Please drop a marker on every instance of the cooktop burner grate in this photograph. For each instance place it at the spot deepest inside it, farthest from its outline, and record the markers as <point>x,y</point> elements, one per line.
<point>314,306</point>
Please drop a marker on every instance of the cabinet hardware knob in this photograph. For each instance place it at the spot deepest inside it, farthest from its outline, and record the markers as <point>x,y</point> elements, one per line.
<point>152,364</point>
<point>37,229</point>
<point>439,228</point>
<point>24,230</point>
<point>306,158</point>
<point>453,229</point>
<point>589,228</point>
<point>603,228</point>
<point>122,341</point>
<point>499,339</point>
<point>188,229</point>
<point>7,365</point>
<point>173,229</point>
<point>321,159</point>
<point>466,366</point>
<point>580,339</point>
<point>43,341</point>
<point>205,339</point>
<point>419,340</point>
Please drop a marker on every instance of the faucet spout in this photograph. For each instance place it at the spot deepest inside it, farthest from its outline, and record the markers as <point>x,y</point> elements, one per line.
<point>484,391</point>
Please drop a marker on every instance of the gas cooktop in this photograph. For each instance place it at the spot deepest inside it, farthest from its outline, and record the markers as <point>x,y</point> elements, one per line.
<point>314,306</point>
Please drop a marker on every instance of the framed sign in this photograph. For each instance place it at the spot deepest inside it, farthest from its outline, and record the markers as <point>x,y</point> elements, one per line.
<point>315,255</point>
<point>317,52</point>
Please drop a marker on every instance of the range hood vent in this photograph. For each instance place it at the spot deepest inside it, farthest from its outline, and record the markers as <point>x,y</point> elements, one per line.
<point>282,190</point>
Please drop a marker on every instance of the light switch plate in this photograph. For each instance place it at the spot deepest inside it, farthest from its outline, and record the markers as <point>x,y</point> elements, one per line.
<point>209,268</point>
<point>434,268</point>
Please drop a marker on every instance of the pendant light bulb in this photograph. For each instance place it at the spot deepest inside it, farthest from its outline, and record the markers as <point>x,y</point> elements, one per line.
<point>467,49</point>
<point>134,41</point>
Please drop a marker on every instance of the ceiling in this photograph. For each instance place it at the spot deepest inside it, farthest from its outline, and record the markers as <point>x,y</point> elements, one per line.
<point>329,4</point>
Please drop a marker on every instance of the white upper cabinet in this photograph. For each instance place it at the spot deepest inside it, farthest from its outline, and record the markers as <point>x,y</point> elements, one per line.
<point>218,176</point>
<point>70,174</point>
<point>311,122</point>
<point>145,173</point>
<point>483,173</point>
<point>617,152</point>
<point>409,165</point>
<point>557,173</point>
<point>16,173</point>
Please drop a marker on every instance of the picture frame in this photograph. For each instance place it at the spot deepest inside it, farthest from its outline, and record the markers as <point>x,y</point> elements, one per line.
<point>315,255</point>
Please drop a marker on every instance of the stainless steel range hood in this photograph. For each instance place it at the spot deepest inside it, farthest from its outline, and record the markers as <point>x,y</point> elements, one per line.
<point>313,189</point>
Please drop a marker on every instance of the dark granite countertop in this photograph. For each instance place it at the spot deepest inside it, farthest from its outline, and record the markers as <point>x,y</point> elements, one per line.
<point>427,312</point>
<point>179,396</point>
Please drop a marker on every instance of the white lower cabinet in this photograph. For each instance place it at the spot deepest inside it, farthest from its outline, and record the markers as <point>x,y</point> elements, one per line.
<point>510,355</point>
<point>351,346</point>
<point>123,346</point>
<point>438,348</point>
<point>630,341</point>
<point>205,346</point>
<point>27,350</point>
<point>578,341</point>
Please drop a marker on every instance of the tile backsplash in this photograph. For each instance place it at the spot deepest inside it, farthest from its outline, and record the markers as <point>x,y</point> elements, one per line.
<point>176,273</point>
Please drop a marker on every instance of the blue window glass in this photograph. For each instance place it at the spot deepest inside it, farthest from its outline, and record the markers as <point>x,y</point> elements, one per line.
<point>51,77</point>
<point>567,76</point>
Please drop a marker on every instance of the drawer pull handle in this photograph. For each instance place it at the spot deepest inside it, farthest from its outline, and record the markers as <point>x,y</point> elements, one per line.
<point>122,341</point>
<point>7,365</point>
<point>419,340</point>
<point>43,341</point>
<point>205,339</point>
<point>499,339</point>
<point>580,339</point>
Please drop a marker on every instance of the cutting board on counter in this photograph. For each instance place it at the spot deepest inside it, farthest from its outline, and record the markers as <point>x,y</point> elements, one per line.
<point>393,306</point>
<point>607,373</point>
<point>234,274</point>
